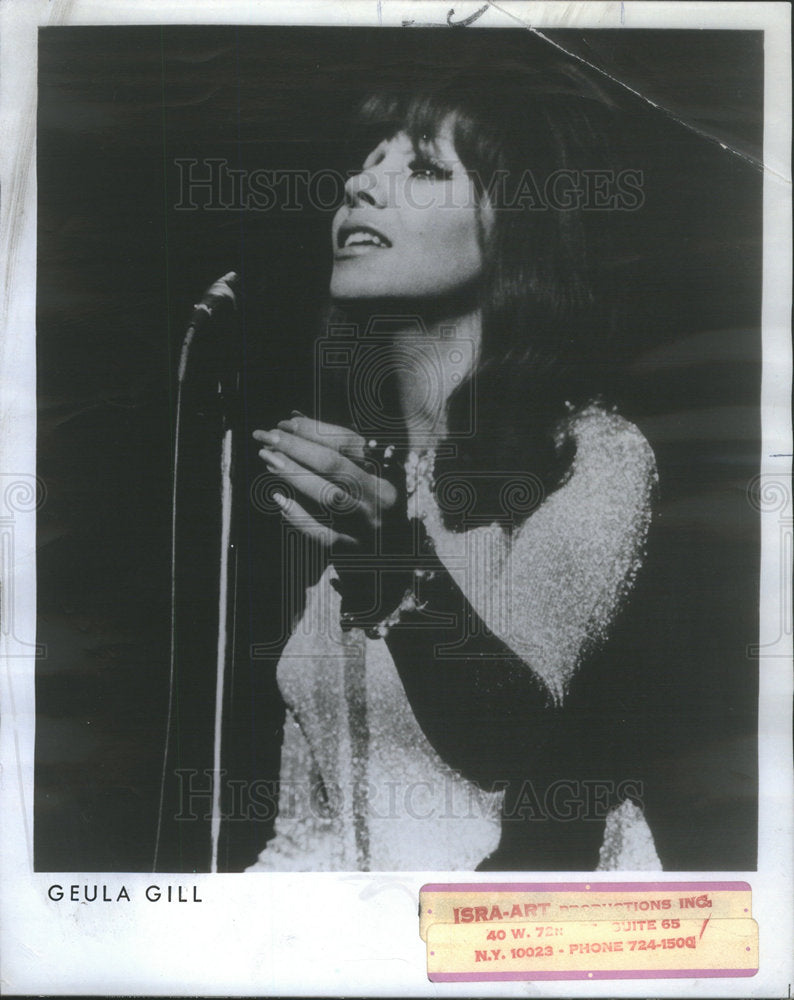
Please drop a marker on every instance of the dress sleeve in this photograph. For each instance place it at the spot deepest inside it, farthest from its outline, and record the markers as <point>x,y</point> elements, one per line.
<point>551,590</point>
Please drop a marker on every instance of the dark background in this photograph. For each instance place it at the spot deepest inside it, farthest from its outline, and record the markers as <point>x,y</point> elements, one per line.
<point>119,267</point>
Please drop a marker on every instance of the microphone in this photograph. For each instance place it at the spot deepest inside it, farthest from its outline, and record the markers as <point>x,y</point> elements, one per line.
<point>218,298</point>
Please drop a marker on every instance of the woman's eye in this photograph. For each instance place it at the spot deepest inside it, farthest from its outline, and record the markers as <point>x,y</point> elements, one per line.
<point>429,169</point>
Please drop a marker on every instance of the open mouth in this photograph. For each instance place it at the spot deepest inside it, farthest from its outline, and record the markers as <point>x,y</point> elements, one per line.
<point>352,237</point>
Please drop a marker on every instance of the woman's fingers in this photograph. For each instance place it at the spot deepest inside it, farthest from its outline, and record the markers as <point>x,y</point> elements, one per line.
<point>309,526</point>
<point>319,457</point>
<point>342,497</point>
<point>341,439</point>
<point>328,463</point>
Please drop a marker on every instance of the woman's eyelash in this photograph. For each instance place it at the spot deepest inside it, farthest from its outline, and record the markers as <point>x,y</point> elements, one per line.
<point>431,168</point>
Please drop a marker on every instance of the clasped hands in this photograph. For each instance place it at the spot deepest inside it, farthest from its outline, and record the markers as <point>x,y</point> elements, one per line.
<point>341,500</point>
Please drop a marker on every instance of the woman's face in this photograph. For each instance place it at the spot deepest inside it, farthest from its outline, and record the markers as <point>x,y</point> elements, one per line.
<point>410,225</point>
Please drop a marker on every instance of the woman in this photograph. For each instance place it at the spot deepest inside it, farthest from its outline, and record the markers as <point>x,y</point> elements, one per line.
<point>483,523</point>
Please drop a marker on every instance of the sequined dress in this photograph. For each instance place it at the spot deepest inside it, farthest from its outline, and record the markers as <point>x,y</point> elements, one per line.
<point>361,787</point>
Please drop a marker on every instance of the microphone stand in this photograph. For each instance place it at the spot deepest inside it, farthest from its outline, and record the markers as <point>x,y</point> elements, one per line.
<point>208,387</point>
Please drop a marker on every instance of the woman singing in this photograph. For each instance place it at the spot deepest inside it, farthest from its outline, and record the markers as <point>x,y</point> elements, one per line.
<point>482,512</point>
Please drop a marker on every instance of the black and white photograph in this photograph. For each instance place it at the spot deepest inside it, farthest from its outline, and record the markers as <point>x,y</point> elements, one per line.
<point>402,455</point>
<point>492,387</point>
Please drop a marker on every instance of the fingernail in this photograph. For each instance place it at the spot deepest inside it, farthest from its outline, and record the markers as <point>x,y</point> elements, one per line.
<point>296,413</point>
<point>269,437</point>
<point>281,500</point>
<point>275,460</point>
<point>287,425</point>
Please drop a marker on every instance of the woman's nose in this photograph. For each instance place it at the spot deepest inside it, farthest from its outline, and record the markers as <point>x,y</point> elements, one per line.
<point>366,188</point>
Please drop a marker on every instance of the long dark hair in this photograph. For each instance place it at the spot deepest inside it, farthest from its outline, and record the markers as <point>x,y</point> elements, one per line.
<point>540,143</point>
